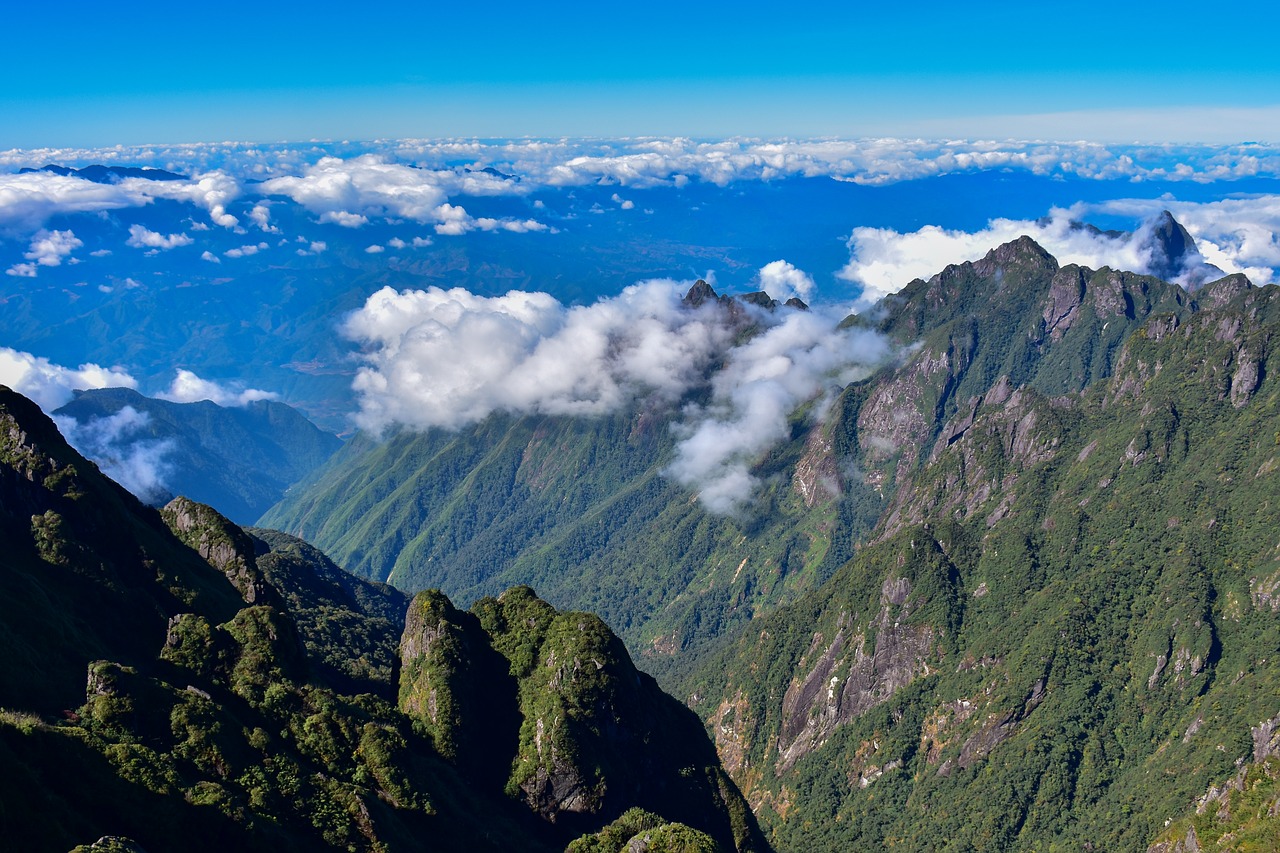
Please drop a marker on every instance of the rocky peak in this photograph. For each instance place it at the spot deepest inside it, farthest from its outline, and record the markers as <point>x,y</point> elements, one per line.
<point>223,545</point>
<point>1023,252</point>
<point>1174,255</point>
<point>1218,293</point>
<point>699,294</point>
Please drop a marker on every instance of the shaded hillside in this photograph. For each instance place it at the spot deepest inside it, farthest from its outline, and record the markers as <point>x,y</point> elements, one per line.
<point>238,459</point>
<point>242,692</point>
<point>1063,631</point>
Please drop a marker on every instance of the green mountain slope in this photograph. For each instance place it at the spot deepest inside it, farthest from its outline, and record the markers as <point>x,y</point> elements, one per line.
<point>1063,631</point>
<point>179,681</point>
<point>581,509</point>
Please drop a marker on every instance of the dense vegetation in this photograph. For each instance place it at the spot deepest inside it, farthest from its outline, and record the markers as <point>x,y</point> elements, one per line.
<point>244,693</point>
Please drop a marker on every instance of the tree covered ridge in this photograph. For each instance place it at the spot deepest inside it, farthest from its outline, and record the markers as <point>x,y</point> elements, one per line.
<point>244,693</point>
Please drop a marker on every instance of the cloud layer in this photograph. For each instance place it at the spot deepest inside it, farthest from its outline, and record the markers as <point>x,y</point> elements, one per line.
<point>437,358</point>
<point>120,444</point>
<point>51,385</point>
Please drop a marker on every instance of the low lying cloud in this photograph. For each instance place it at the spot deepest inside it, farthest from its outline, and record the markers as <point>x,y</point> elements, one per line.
<point>120,446</point>
<point>52,385</point>
<point>1234,235</point>
<point>28,200</point>
<point>48,249</point>
<point>448,358</point>
<point>187,387</point>
<point>349,192</point>
<point>142,238</point>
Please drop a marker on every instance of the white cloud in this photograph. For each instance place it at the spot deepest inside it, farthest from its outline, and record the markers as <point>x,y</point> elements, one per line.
<point>448,358</point>
<point>245,251</point>
<point>187,387</point>
<point>783,281</point>
<point>206,255</point>
<point>349,192</point>
<point>51,385</point>
<point>1235,235</point>
<point>140,237</point>
<point>439,358</point>
<point>121,445</point>
<point>375,249</point>
<point>261,216</point>
<point>396,243</point>
<point>212,191</point>
<point>804,357</point>
<point>22,270</point>
<point>48,248</point>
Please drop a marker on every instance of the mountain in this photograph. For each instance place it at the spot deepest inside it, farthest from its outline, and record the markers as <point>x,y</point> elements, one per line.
<point>1048,620</point>
<point>1061,632</point>
<point>239,459</point>
<point>583,510</point>
<point>100,174</point>
<point>173,680</point>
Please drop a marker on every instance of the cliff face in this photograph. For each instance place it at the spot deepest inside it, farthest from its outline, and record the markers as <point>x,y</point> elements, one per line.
<point>1065,611</point>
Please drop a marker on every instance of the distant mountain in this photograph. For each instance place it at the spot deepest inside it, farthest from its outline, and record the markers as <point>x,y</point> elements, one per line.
<point>239,459</point>
<point>244,693</point>
<point>100,174</point>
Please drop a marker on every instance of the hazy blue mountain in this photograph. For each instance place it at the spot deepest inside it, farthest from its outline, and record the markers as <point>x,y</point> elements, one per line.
<point>239,459</point>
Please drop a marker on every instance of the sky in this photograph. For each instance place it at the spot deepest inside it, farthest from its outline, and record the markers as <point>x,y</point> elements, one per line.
<point>85,74</point>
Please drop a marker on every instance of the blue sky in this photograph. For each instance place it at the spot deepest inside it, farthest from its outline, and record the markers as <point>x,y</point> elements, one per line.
<point>149,72</point>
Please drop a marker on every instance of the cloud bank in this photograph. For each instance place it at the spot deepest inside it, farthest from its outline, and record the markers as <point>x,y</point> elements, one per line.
<point>437,358</point>
<point>51,385</point>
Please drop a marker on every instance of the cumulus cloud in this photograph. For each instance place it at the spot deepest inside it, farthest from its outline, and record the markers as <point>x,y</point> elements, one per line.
<point>48,249</point>
<point>206,255</point>
<point>348,192</point>
<point>187,387</point>
<point>448,358</point>
<point>261,216</point>
<point>141,237</point>
<point>1234,235</point>
<point>782,281</point>
<point>212,191</point>
<point>245,251</point>
<point>437,358</point>
<point>52,385</point>
<point>121,445</point>
<point>29,199</point>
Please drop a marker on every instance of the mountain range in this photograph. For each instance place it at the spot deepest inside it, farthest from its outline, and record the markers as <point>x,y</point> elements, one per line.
<point>1014,588</point>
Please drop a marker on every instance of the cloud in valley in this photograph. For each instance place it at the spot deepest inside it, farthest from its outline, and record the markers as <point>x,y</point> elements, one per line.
<point>52,385</point>
<point>120,445</point>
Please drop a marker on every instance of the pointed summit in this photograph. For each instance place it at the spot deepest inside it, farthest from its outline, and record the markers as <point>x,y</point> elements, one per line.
<point>1174,254</point>
<point>700,293</point>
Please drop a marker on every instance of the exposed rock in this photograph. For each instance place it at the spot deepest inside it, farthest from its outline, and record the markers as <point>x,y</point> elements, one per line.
<point>224,545</point>
<point>699,294</point>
